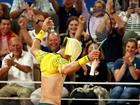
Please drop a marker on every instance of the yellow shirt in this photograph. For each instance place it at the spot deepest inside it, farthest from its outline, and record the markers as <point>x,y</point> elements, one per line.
<point>50,63</point>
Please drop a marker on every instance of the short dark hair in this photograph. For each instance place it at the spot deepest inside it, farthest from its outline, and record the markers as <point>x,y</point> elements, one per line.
<point>4,18</point>
<point>134,40</point>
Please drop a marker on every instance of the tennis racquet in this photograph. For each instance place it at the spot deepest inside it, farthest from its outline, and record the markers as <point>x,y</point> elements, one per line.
<point>100,39</point>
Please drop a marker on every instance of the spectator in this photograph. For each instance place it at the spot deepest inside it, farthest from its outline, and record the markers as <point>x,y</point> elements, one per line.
<point>72,26</point>
<point>24,6</point>
<point>29,8</point>
<point>28,36</point>
<point>4,12</point>
<point>5,35</point>
<point>113,28</point>
<point>18,65</point>
<point>131,17</point>
<point>52,43</point>
<point>126,69</point>
<point>69,8</point>
<point>100,70</point>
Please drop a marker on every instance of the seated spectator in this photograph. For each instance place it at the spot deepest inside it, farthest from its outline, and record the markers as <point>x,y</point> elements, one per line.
<point>18,65</point>
<point>69,8</point>
<point>131,17</point>
<point>100,73</point>
<point>5,35</point>
<point>126,69</point>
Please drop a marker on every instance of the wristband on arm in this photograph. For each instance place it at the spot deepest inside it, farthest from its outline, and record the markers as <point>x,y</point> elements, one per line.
<point>40,35</point>
<point>83,60</point>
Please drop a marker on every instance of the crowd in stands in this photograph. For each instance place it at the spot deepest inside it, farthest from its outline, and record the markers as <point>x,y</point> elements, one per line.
<point>120,53</point>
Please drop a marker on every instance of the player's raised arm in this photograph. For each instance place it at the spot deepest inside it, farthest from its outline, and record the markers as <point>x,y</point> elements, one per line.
<point>45,27</point>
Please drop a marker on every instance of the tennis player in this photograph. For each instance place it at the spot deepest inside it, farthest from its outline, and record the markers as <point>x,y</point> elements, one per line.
<point>56,66</point>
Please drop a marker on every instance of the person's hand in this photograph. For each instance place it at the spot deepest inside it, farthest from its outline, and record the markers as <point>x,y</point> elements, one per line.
<point>137,10</point>
<point>81,19</point>
<point>94,54</point>
<point>10,62</point>
<point>109,6</point>
<point>128,59</point>
<point>130,11</point>
<point>47,24</point>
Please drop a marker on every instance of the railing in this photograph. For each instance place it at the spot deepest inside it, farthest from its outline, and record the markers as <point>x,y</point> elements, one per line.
<point>73,83</point>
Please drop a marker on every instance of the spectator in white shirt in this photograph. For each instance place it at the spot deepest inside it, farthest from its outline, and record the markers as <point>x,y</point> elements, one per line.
<point>18,67</point>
